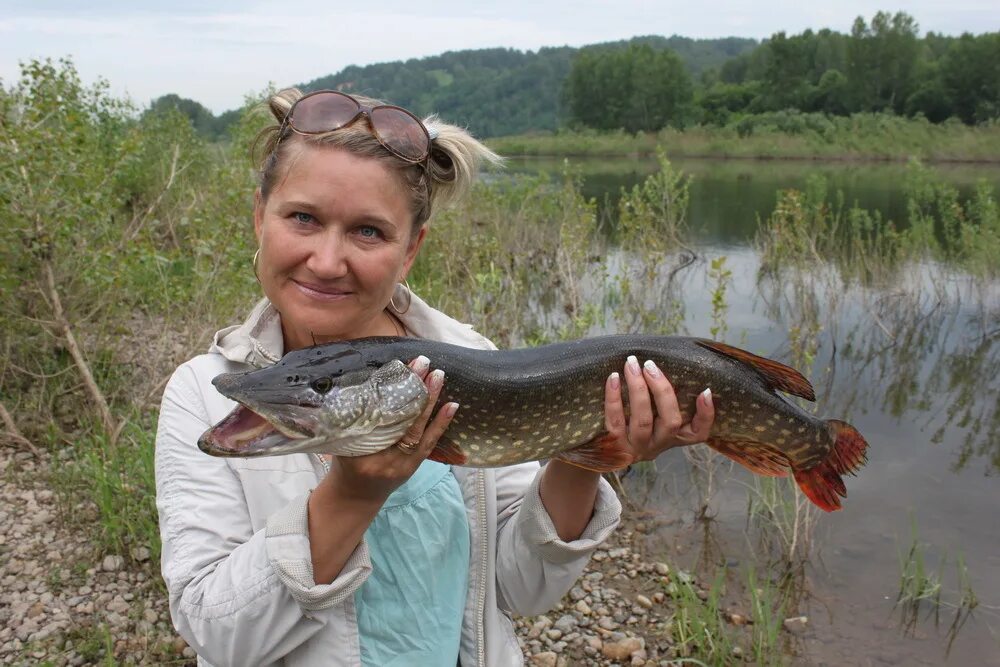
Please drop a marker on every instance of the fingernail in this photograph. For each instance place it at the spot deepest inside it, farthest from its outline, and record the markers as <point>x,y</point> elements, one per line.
<point>632,364</point>
<point>651,368</point>
<point>421,363</point>
<point>707,395</point>
<point>450,409</point>
<point>616,381</point>
<point>437,378</point>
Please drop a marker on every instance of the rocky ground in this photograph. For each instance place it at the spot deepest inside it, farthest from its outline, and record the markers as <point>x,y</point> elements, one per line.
<point>63,604</point>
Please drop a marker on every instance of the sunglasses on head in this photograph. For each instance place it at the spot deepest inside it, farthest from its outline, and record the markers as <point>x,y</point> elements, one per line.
<point>398,130</point>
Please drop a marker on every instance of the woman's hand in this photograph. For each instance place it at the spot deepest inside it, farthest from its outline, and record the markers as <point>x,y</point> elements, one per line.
<point>646,434</point>
<point>375,476</point>
<point>348,499</point>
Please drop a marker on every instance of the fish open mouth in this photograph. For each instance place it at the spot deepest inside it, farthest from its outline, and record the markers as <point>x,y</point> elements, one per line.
<point>245,433</point>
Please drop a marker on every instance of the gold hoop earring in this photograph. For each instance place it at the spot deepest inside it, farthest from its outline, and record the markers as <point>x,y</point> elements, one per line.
<point>409,298</point>
<point>256,259</point>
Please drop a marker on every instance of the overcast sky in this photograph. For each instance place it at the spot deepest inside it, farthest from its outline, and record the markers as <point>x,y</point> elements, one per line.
<point>216,52</point>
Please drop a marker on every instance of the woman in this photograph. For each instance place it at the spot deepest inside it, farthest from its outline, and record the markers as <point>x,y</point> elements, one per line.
<point>384,559</point>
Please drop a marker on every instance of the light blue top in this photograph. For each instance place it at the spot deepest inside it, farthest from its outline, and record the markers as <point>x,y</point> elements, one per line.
<point>410,608</point>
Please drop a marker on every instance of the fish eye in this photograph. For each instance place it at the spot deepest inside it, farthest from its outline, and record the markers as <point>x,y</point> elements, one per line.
<point>321,385</point>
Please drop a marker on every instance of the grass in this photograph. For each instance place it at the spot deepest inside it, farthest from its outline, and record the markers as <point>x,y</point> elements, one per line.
<point>702,630</point>
<point>779,135</point>
<point>921,590</point>
<point>118,484</point>
<point>698,626</point>
<point>810,227</point>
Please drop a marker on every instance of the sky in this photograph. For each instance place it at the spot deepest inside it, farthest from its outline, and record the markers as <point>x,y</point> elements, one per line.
<point>218,52</point>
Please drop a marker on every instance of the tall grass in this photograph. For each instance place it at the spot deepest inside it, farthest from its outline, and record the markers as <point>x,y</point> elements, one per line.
<point>781,134</point>
<point>810,227</point>
<point>921,590</point>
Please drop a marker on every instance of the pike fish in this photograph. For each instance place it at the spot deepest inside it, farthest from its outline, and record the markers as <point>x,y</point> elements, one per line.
<point>357,397</point>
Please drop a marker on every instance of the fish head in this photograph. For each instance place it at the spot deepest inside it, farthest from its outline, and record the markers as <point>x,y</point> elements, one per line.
<point>337,403</point>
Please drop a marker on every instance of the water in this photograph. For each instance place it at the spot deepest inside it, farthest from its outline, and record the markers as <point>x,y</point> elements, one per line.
<point>915,366</point>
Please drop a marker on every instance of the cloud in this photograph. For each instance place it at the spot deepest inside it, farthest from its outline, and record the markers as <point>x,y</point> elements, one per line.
<point>217,52</point>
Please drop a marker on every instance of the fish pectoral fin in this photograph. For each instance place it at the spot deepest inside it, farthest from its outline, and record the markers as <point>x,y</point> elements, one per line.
<point>602,454</point>
<point>782,377</point>
<point>756,457</point>
<point>447,451</point>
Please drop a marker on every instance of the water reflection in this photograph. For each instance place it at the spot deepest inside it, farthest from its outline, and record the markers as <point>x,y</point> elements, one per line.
<point>916,367</point>
<point>913,363</point>
<point>728,196</point>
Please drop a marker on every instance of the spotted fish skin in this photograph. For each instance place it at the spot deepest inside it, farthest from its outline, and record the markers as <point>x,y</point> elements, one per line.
<point>548,402</point>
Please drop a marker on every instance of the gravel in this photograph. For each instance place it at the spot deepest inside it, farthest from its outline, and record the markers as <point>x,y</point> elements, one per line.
<point>63,602</point>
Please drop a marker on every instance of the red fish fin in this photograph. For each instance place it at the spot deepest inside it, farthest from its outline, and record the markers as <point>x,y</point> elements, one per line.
<point>849,449</point>
<point>602,454</point>
<point>759,458</point>
<point>823,483</point>
<point>782,377</point>
<point>446,451</point>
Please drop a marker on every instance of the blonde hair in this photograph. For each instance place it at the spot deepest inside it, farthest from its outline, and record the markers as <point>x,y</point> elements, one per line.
<point>446,177</point>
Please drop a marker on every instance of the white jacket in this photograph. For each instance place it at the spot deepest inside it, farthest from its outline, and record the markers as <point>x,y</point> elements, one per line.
<point>236,557</point>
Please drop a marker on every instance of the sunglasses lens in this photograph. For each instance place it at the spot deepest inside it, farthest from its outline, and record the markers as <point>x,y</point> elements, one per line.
<point>323,112</point>
<point>401,132</point>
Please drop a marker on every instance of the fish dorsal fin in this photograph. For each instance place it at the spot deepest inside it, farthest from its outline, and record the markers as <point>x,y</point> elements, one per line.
<point>782,377</point>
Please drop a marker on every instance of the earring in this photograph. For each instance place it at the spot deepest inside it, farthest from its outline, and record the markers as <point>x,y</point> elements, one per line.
<point>409,298</point>
<point>256,258</point>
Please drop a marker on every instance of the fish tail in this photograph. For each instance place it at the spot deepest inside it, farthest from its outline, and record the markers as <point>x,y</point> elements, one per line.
<point>823,483</point>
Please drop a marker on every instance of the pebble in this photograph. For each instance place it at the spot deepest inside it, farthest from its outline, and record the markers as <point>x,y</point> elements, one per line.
<point>112,563</point>
<point>795,624</point>
<point>661,569</point>
<point>546,659</point>
<point>566,623</point>
<point>644,601</point>
<point>607,623</point>
<point>620,650</point>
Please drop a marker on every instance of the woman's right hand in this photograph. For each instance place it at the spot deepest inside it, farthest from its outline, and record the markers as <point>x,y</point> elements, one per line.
<point>374,476</point>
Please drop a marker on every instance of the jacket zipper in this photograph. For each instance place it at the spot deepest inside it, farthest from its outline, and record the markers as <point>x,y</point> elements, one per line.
<point>483,545</point>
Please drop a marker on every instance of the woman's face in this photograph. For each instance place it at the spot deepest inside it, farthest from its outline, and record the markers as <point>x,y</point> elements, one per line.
<point>335,237</point>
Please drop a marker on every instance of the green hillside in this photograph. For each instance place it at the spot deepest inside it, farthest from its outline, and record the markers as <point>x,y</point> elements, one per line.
<point>497,92</point>
<point>493,92</point>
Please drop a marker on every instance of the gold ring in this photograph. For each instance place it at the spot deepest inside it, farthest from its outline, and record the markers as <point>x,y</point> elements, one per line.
<point>407,447</point>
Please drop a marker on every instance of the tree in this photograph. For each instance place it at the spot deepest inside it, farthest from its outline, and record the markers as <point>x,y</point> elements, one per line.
<point>970,74</point>
<point>637,88</point>
<point>881,61</point>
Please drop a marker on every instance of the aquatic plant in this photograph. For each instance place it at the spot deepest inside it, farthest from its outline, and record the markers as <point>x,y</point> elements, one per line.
<point>920,588</point>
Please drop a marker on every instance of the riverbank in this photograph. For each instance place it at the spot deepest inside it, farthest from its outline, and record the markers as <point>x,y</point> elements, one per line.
<point>64,602</point>
<point>779,136</point>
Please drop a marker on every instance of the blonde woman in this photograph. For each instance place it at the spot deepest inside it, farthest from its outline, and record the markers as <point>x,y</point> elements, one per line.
<point>387,559</point>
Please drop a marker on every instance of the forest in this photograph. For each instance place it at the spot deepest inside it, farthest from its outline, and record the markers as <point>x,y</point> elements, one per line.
<point>883,65</point>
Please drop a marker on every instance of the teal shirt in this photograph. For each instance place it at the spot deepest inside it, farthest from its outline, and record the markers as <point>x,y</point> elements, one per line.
<point>410,608</point>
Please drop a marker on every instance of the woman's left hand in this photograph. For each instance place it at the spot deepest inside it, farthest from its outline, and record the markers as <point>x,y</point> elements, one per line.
<point>645,433</point>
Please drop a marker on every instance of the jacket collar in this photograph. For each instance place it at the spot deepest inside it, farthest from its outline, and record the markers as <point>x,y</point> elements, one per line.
<point>259,341</point>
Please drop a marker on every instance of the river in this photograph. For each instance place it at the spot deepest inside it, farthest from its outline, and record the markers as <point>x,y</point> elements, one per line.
<point>914,365</point>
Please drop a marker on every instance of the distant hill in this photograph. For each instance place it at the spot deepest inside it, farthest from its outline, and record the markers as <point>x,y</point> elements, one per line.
<point>493,92</point>
<point>497,92</point>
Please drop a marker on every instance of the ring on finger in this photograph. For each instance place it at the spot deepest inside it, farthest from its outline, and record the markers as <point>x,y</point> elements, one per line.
<point>407,447</point>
